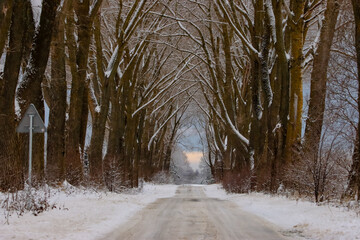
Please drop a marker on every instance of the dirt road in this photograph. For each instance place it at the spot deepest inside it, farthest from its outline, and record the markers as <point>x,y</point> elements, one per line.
<point>190,214</point>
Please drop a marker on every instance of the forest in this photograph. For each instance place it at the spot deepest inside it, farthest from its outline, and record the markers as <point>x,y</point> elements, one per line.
<point>273,85</point>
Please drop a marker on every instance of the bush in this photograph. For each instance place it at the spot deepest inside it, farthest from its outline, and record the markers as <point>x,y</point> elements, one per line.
<point>237,181</point>
<point>24,201</point>
<point>318,175</point>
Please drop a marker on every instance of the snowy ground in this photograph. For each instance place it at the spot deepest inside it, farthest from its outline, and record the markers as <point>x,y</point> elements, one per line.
<point>297,218</point>
<point>90,215</point>
<point>81,215</point>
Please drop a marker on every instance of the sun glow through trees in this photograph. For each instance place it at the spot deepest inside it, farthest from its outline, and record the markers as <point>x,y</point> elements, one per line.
<point>194,158</point>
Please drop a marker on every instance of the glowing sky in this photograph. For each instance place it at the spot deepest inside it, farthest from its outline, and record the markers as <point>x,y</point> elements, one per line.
<point>194,159</point>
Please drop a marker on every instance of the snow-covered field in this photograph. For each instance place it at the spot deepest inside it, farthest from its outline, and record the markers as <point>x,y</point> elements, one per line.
<point>81,214</point>
<point>297,218</point>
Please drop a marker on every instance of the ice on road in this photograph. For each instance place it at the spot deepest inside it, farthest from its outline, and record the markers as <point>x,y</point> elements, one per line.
<point>190,214</point>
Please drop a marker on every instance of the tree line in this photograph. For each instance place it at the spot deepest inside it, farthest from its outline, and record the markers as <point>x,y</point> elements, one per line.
<point>125,72</point>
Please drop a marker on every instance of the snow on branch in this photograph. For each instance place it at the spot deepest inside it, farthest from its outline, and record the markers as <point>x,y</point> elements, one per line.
<point>232,126</point>
<point>165,88</point>
<point>166,121</point>
<point>227,16</point>
<point>171,98</point>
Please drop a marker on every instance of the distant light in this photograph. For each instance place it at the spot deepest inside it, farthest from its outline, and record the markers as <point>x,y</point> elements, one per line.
<point>194,158</point>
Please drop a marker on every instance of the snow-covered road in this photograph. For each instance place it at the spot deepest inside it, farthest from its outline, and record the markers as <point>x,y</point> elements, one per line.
<point>179,212</point>
<point>190,214</point>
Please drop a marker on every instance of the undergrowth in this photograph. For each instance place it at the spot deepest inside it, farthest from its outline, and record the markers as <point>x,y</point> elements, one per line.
<point>24,201</point>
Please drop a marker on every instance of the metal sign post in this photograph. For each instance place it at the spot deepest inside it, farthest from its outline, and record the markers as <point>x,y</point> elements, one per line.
<point>30,146</point>
<point>31,123</point>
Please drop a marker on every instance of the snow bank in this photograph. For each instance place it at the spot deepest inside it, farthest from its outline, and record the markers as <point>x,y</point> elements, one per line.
<point>297,218</point>
<point>82,215</point>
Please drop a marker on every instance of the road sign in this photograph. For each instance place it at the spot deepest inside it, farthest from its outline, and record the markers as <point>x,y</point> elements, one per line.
<point>30,123</point>
<point>38,124</point>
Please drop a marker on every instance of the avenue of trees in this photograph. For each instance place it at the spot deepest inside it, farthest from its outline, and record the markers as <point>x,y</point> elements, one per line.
<point>275,85</point>
<point>97,63</point>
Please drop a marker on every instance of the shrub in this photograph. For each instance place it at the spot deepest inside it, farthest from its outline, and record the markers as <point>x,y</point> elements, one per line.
<point>237,181</point>
<point>29,200</point>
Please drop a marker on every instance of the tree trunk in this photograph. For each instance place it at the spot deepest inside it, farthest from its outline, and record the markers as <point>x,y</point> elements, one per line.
<point>283,76</point>
<point>138,155</point>
<point>78,59</point>
<point>6,10</point>
<point>99,121</point>
<point>263,166</point>
<point>319,78</point>
<point>294,126</point>
<point>56,129</point>
<point>354,178</point>
<point>256,140</point>
<point>10,176</point>
<point>12,65</point>
<point>28,34</point>
<point>111,165</point>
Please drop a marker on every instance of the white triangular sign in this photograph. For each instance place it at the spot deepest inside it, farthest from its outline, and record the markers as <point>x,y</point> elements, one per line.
<point>38,124</point>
